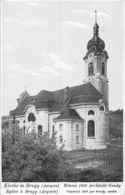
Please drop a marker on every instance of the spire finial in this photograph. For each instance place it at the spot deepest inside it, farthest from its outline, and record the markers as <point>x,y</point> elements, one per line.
<point>96,27</point>
<point>95,16</point>
<point>25,88</point>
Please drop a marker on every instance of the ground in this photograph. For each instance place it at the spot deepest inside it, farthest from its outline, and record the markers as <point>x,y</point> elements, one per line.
<point>104,165</point>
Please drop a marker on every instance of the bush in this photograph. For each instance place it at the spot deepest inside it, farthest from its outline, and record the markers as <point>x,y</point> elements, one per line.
<point>29,159</point>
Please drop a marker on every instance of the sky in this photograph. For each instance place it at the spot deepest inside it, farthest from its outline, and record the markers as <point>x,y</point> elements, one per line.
<point>44,42</point>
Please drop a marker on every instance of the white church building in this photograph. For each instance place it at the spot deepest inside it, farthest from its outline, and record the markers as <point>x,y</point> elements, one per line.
<point>79,114</point>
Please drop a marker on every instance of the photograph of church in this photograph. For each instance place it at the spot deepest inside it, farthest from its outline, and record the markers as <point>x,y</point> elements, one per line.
<point>62,106</point>
<point>79,114</point>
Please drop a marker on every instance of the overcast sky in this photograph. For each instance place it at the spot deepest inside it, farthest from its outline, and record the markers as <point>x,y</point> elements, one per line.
<point>44,42</point>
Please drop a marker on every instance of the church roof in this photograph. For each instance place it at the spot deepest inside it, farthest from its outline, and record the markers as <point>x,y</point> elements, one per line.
<point>69,114</point>
<point>55,100</point>
<point>45,95</point>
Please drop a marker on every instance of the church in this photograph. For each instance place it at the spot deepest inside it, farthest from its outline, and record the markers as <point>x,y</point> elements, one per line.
<point>78,115</point>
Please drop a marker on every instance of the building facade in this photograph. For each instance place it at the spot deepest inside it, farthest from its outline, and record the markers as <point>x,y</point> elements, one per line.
<point>78,116</point>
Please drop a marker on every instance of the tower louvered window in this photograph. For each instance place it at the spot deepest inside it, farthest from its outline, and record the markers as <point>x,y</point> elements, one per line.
<point>90,68</point>
<point>103,68</point>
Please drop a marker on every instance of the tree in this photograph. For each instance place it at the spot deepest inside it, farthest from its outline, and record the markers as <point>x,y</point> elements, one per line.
<point>29,159</point>
<point>116,124</point>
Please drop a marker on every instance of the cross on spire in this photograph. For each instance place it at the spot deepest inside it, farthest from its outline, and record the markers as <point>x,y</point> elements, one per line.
<point>96,26</point>
<point>95,16</point>
<point>25,88</point>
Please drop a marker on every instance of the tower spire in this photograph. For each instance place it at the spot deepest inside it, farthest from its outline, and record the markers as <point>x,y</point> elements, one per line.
<point>96,26</point>
<point>95,16</point>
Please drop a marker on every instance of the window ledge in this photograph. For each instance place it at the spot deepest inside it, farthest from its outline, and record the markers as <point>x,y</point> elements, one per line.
<point>91,138</point>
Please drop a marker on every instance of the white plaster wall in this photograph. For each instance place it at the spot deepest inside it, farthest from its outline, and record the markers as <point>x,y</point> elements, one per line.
<point>98,141</point>
<point>51,123</point>
<point>42,119</point>
<point>30,125</point>
<point>79,133</point>
<point>66,133</point>
<point>69,132</point>
<point>20,119</point>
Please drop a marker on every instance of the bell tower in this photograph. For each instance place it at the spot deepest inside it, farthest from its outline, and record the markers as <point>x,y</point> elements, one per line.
<point>96,63</point>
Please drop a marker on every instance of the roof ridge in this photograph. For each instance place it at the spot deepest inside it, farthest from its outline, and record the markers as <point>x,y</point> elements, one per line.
<point>90,95</point>
<point>72,86</point>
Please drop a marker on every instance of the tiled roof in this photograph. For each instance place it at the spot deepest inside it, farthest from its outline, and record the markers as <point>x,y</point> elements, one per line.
<point>44,95</point>
<point>85,89</point>
<point>69,114</point>
<point>58,106</point>
<point>55,101</point>
<point>85,98</point>
<point>21,107</point>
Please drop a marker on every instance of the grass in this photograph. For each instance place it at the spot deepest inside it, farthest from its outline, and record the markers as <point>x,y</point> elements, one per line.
<point>113,149</point>
<point>106,164</point>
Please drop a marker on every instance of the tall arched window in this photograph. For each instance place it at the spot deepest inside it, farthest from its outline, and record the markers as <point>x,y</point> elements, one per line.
<point>103,68</point>
<point>40,130</point>
<point>53,130</point>
<point>91,128</point>
<point>24,130</point>
<point>90,112</point>
<point>90,68</point>
<point>60,127</point>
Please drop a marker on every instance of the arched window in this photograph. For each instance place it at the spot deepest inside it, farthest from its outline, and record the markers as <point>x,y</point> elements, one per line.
<point>24,130</point>
<point>53,130</point>
<point>60,127</point>
<point>60,138</point>
<point>103,68</point>
<point>31,117</point>
<point>77,139</point>
<point>77,127</point>
<point>90,68</point>
<point>101,108</point>
<point>40,130</point>
<point>90,112</point>
<point>91,128</point>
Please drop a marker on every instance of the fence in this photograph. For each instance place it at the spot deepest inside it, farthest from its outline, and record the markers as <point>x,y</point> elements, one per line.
<point>103,165</point>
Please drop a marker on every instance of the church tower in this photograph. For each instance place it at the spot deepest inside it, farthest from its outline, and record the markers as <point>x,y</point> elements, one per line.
<point>96,63</point>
